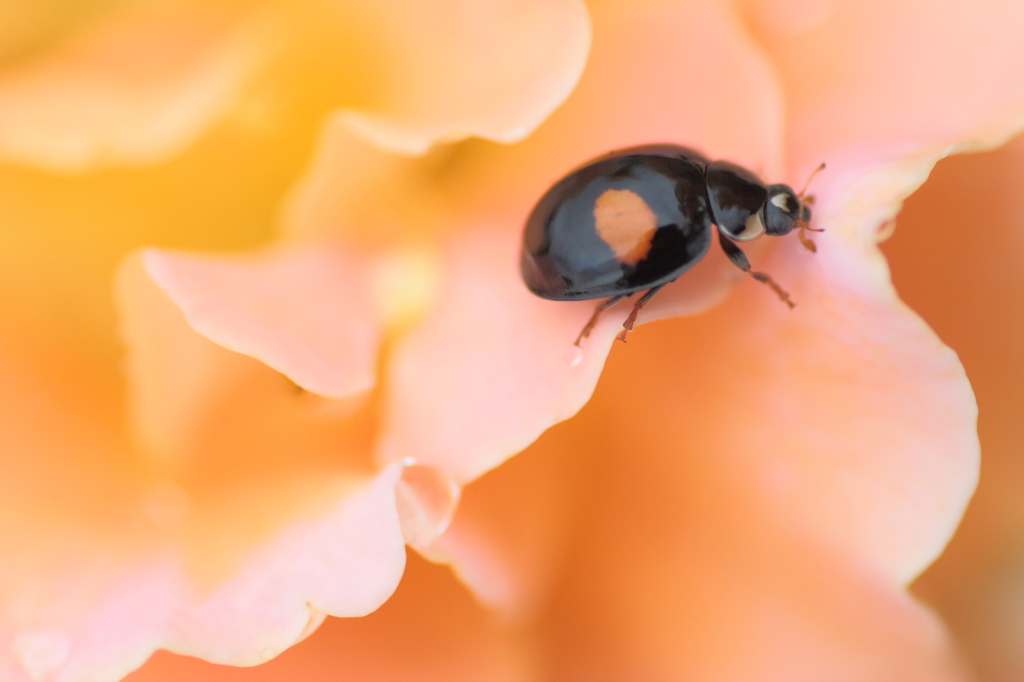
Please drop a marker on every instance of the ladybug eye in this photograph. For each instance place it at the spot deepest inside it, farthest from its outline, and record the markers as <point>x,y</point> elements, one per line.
<point>751,229</point>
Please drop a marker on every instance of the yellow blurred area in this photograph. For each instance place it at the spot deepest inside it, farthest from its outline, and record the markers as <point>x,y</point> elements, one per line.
<point>62,236</point>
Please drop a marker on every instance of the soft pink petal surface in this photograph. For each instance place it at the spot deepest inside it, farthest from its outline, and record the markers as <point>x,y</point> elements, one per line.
<point>751,475</point>
<point>881,91</point>
<point>108,557</point>
<point>907,76</point>
<point>432,629</point>
<point>466,413</point>
<point>132,88</point>
<point>303,312</point>
<point>102,623</point>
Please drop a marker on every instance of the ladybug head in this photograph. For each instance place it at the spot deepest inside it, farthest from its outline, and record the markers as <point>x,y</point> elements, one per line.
<point>783,210</point>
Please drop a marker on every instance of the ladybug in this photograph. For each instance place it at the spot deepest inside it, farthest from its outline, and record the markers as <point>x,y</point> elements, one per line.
<point>638,218</point>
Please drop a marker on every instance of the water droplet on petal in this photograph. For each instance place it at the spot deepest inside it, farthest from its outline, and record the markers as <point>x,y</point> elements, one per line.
<point>42,652</point>
<point>426,500</point>
<point>573,355</point>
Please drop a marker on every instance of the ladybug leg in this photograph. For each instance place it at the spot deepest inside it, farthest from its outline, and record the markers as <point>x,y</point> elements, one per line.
<point>739,259</point>
<point>803,227</point>
<point>592,322</point>
<point>627,326</point>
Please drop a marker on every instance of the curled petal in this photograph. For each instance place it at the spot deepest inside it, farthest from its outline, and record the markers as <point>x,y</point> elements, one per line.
<point>877,78</point>
<point>964,287</point>
<point>107,558</point>
<point>456,68</point>
<point>430,629</point>
<point>517,374</point>
<point>133,88</point>
<point>199,330</point>
<point>105,623</point>
<point>304,312</point>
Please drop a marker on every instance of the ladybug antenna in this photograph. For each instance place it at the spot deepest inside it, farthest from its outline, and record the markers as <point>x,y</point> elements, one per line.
<point>807,184</point>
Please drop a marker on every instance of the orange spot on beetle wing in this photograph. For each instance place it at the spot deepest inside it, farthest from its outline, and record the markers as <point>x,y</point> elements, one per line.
<point>625,223</point>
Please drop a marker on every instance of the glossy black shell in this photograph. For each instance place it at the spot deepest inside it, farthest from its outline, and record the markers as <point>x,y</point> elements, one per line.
<point>564,256</point>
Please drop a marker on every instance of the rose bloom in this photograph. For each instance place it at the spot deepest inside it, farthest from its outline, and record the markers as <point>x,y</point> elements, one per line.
<point>263,327</point>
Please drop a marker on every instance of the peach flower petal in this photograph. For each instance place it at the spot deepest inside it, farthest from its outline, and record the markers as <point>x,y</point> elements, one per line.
<point>466,413</point>
<point>458,68</point>
<point>781,477</point>
<point>521,359</point>
<point>303,312</point>
<point>649,78</point>
<point>430,629</point>
<point>845,420</point>
<point>354,190</point>
<point>133,88</point>
<point>104,623</point>
<point>909,77</point>
<point>873,415</point>
<point>666,583</point>
<point>965,286</point>
<point>513,532</point>
<point>106,558</point>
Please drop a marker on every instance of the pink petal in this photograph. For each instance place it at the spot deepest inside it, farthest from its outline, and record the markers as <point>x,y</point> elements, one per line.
<point>753,475</point>
<point>102,624</point>
<point>845,419</point>
<point>107,557</point>
<point>857,391</point>
<point>663,590</point>
<point>95,101</point>
<point>880,79</point>
<point>304,312</point>
<point>964,288</point>
<point>516,526</point>
<point>513,376</point>
<point>451,69</point>
<point>431,629</point>
<point>466,412</point>
<point>517,372</point>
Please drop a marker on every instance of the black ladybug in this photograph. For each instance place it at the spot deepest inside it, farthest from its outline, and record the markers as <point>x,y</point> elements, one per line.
<point>638,218</point>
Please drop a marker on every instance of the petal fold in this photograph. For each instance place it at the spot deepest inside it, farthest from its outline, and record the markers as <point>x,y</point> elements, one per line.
<point>878,79</point>
<point>104,624</point>
<point>306,313</point>
<point>458,68</point>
